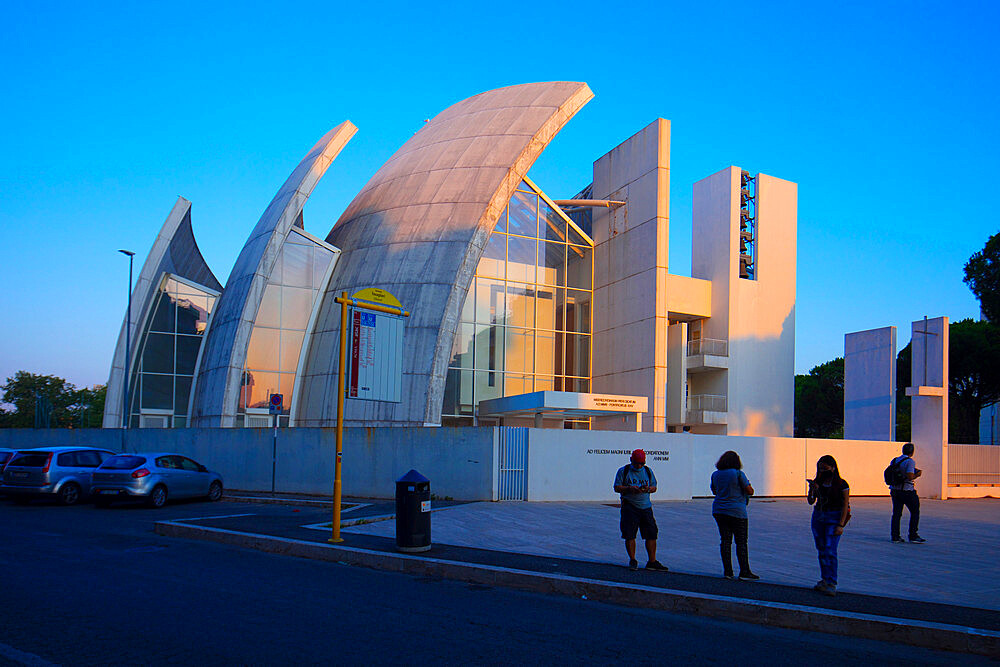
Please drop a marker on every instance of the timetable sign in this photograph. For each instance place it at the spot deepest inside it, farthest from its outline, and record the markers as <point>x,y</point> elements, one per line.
<point>375,368</point>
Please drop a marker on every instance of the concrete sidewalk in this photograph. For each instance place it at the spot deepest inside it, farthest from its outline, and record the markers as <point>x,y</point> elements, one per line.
<point>959,564</point>
<point>942,594</point>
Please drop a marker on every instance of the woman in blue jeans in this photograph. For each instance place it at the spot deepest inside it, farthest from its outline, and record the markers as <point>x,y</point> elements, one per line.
<point>732,492</point>
<point>831,496</point>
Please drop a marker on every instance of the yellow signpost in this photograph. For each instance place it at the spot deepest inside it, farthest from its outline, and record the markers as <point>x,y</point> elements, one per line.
<point>377,300</point>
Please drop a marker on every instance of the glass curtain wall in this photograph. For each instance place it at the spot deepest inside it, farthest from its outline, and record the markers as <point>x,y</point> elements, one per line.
<point>280,326</point>
<point>166,363</point>
<point>526,322</point>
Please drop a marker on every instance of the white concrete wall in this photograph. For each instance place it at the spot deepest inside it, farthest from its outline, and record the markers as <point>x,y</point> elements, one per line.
<point>870,384</point>
<point>630,267</point>
<point>582,465</point>
<point>762,319</point>
<point>461,462</point>
<point>757,317</point>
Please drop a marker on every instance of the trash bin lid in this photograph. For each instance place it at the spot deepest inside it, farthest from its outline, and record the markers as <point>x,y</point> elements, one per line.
<point>413,477</point>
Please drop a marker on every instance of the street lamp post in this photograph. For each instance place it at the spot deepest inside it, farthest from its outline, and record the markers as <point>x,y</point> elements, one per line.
<point>128,338</point>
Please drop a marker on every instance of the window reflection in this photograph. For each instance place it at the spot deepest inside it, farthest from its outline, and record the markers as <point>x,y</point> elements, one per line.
<point>520,328</point>
<point>278,333</point>
<point>163,375</point>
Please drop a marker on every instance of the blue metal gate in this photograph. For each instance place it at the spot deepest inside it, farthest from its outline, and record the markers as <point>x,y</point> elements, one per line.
<point>512,480</point>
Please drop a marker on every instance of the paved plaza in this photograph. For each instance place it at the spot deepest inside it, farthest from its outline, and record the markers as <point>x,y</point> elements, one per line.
<point>958,565</point>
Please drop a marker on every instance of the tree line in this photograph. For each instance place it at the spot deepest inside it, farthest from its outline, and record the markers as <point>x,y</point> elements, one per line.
<point>47,401</point>
<point>973,368</point>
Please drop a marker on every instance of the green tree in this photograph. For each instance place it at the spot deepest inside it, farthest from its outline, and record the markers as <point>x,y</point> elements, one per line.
<point>982,275</point>
<point>65,405</point>
<point>903,402</point>
<point>819,401</point>
<point>90,406</point>
<point>973,379</point>
<point>974,376</point>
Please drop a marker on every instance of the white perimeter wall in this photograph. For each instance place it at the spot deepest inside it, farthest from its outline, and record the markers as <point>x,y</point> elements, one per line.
<point>581,465</point>
<point>562,465</point>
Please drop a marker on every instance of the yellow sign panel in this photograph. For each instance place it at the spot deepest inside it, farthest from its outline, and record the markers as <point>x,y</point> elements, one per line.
<point>376,295</point>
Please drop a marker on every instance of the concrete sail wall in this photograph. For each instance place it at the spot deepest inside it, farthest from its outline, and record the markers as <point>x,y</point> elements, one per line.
<point>225,350</point>
<point>418,230</point>
<point>174,251</point>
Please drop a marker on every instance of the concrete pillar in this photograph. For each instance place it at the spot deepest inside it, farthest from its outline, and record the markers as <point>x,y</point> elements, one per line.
<point>756,317</point>
<point>630,267</point>
<point>929,408</point>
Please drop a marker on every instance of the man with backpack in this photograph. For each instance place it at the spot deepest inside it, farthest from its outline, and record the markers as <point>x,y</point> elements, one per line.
<point>899,476</point>
<point>635,482</point>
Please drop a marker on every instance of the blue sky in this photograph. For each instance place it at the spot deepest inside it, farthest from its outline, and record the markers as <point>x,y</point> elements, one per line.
<point>885,114</point>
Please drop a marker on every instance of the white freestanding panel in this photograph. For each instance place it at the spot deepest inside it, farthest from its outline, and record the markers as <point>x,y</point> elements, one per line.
<point>870,384</point>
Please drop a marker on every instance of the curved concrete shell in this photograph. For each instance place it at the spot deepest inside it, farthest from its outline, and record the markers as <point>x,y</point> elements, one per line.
<point>225,350</point>
<point>418,230</point>
<point>174,251</point>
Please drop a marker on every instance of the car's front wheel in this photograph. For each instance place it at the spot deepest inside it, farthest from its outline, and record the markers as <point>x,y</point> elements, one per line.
<point>69,493</point>
<point>157,497</point>
<point>215,491</point>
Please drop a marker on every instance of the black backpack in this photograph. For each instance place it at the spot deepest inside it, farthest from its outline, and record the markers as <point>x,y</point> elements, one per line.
<point>894,475</point>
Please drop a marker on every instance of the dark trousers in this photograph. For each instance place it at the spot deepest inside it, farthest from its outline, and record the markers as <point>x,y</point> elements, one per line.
<point>731,527</point>
<point>911,501</point>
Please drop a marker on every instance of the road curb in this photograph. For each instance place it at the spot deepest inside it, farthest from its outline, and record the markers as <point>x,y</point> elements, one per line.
<point>796,617</point>
<point>266,500</point>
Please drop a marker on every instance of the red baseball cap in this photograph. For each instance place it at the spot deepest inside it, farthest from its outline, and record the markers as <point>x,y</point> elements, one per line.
<point>638,456</point>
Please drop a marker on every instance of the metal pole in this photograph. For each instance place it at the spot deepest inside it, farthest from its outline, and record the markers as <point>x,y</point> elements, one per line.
<point>340,418</point>
<point>128,340</point>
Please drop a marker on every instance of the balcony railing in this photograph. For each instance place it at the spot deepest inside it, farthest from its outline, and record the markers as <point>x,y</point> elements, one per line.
<point>707,402</point>
<point>713,346</point>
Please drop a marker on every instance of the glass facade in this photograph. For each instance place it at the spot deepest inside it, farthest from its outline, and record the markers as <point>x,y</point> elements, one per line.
<point>282,318</point>
<point>163,375</point>
<point>526,322</point>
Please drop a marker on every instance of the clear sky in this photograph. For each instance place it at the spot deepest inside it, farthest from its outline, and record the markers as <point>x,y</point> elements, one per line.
<point>884,113</point>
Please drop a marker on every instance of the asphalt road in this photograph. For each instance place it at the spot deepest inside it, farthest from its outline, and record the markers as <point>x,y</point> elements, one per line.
<point>82,586</point>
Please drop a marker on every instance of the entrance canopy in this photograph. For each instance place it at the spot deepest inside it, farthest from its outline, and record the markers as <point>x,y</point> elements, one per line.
<point>564,405</point>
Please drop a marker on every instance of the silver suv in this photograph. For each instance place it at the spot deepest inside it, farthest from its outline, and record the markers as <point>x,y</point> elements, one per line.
<point>63,472</point>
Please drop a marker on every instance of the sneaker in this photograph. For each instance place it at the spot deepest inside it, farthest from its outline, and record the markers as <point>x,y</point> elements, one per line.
<point>898,540</point>
<point>830,589</point>
<point>657,566</point>
<point>748,576</point>
<point>916,539</point>
<point>820,586</point>
<point>730,576</point>
<point>633,565</point>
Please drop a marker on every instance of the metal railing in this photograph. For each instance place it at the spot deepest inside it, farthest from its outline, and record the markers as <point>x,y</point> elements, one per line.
<point>708,402</point>
<point>713,346</point>
<point>973,464</point>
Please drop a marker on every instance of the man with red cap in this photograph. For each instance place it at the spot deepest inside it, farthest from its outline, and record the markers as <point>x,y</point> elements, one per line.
<point>635,482</point>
